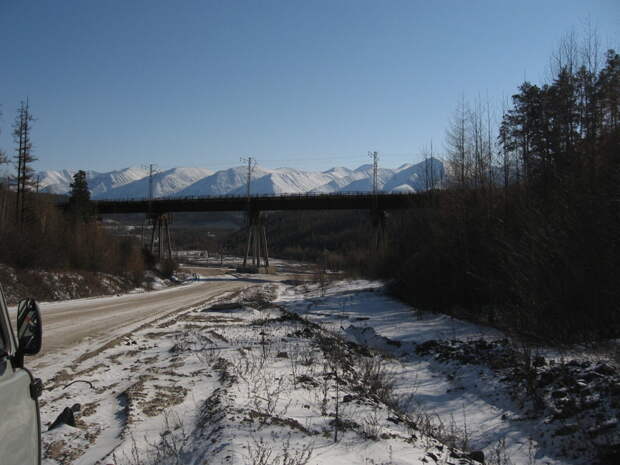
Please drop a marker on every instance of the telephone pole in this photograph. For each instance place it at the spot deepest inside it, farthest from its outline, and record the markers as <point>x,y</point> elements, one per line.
<point>149,219</point>
<point>256,248</point>
<point>251,164</point>
<point>375,170</point>
<point>152,170</point>
<point>432,172</point>
<point>378,216</point>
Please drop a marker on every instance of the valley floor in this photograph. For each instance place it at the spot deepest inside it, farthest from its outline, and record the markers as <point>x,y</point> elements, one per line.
<point>294,372</point>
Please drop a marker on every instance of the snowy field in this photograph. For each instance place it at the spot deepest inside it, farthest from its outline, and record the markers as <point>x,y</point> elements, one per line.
<point>296,373</point>
<point>217,261</point>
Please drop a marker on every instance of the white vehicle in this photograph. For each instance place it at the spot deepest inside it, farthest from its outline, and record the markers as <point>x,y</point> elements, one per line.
<point>20,424</point>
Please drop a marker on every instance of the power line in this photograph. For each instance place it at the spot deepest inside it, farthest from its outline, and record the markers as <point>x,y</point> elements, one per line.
<point>303,158</point>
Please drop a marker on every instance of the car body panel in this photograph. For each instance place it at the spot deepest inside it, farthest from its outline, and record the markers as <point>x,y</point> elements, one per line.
<point>20,427</point>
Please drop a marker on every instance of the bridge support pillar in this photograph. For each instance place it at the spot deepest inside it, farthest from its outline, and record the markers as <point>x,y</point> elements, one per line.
<point>256,258</point>
<point>160,244</point>
<point>378,219</point>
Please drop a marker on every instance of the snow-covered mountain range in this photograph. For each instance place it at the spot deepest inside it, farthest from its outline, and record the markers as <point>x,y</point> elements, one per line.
<point>133,182</point>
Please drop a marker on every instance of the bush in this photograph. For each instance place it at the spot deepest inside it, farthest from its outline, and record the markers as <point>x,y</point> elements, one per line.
<point>51,240</point>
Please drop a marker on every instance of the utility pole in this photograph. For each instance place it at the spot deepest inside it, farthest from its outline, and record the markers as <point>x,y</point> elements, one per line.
<point>432,173</point>
<point>377,216</point>
<point>251,164</point>
<point>152,170</point>
<point>257,235</point>
<point>152,167</point>
<point>375,169</point>
<point>149,220</point>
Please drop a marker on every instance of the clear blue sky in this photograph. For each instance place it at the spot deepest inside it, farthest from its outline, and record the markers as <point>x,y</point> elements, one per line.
<point>309,84</point>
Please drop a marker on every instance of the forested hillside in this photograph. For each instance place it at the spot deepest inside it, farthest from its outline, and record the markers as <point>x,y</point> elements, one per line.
<point>527,233</point>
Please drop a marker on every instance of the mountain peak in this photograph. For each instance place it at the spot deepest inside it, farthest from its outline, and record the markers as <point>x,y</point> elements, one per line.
<point>132,182</point>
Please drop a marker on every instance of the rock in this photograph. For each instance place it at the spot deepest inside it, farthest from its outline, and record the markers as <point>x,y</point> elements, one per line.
<point>347,398</point>
<point>427,347</point>
<point>546,378</point>
<point>477,455</point>
<point>65,418</point>
<point>591,376</point>
<point>282,355</point>
<point>223,306</point>
<point>591,401</point>
<point>567,429</point>
<point>610,453</point>
<point>567,407</point>
<point>558,394</point>
<point>603,426</point>
<point>604,369</point>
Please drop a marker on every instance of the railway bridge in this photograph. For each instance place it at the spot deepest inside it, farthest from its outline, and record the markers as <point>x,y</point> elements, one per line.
<point>158,211</point>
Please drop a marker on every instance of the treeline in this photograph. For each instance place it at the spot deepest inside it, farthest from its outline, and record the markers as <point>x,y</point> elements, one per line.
<point>35,234</point>
<point>537,248</point>
<point>334,239</point>
<point>49,239</point>
<point>525,234</point>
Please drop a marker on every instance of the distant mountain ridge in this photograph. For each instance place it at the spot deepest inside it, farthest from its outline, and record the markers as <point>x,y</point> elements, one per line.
<point>133,182</point>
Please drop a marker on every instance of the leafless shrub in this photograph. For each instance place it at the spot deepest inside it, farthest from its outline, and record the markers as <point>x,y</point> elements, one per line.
<point>499,455</point>
<point>299,456</point>
<point>168,449</point>
<point>133,458</point>
<point>173,439</point>
<point>266,396</point>
<point>451,434</point>
<point>371,425</point>
<point>294,356</point>
<point>376,379</point>
<point>321,394</point>
<point>261,453</point>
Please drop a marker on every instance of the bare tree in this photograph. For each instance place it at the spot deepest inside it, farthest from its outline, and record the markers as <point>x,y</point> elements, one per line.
<point>457,144</point>
<point>3,157</point>
<point>24,158</point>
<point>4,160</point>
<point>566,57</point>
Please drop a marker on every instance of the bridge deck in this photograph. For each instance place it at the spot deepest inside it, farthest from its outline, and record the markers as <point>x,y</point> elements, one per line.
<point>356,201</point>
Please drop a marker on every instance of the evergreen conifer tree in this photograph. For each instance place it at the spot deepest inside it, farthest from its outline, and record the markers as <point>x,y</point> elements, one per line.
<point>80,196</point>
<point>23,158</point>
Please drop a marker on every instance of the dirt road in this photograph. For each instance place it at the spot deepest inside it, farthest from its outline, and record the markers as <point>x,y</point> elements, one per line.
<point>69,322</point>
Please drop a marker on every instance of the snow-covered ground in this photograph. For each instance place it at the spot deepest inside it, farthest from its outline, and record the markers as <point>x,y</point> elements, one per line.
<point>473,382</point>
<point>289,373</point>
<point>187,258</point>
